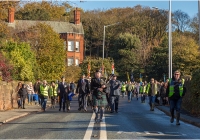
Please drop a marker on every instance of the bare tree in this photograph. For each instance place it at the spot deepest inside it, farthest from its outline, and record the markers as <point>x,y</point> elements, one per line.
<point>181,20</point>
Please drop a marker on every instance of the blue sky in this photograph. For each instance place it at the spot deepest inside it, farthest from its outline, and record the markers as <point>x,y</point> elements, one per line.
<point>190,7</point>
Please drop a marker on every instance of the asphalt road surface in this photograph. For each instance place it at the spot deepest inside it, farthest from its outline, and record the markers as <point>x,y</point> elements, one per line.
<point>133,121</point>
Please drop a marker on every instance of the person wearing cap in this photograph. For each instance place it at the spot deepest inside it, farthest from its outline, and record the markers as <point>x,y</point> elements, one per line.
<point>82,90</point>
<point>175,92</point>
<point>115,87</point>
<point>63,89</point>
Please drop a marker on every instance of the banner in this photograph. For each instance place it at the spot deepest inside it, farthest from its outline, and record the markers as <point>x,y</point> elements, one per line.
<point>128,78</point>
<point>113,68</point>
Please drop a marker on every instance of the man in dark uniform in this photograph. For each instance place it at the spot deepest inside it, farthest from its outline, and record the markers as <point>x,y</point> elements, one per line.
<point>115,87</point>
<point>83,90</point>
<point>63,89</point>
<point>89,100</point>
<point>95,88</point>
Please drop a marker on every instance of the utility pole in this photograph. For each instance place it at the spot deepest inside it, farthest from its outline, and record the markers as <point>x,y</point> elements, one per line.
<point>170,40</point>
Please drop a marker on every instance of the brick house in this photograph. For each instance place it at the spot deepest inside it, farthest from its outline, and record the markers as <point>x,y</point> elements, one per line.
<point>71,33</point>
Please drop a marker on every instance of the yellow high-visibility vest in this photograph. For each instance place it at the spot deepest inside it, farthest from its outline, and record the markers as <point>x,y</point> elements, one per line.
<point>44,90</point>
<point>53,90</point>
<point>171,88</point>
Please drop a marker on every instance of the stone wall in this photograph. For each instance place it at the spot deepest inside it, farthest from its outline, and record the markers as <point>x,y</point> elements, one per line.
<point>8,96</point>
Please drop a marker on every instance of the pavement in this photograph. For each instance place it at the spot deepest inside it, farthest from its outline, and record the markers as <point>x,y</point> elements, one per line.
<point>9,115</point>
<point>185,116</point>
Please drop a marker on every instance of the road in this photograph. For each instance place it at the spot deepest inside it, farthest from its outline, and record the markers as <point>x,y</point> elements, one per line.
<point>133,121</point>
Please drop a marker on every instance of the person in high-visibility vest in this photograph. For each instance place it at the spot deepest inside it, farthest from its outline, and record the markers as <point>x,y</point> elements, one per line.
<point>174,93</point>
<point>44,91</point>
<point>53,92</point>
<point>123,89</point>
<point>151,90</point>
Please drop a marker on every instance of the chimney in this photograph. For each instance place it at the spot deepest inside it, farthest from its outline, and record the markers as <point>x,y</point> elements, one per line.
<point>11,15</point>
<point>77,16</point>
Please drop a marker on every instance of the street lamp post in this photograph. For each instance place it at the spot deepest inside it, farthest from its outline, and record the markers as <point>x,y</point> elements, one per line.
<point>104,34</point>
<point>170,41</point>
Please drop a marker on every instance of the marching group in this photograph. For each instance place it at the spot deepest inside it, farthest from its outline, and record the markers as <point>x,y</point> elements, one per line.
<point>101,94</point>
<point>156,91</point>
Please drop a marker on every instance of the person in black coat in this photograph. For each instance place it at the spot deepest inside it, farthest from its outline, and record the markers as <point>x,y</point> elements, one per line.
<point>96,87</point>
<point>23,94</point>
<point>115,87</point>
<point>82,90</point>
<point>63,89</point>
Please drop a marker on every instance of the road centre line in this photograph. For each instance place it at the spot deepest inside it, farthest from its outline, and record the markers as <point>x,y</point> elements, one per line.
<point>89,130</point>
<point>103,133</point>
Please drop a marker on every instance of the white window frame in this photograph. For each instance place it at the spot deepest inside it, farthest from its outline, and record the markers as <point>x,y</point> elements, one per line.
<point>70,47</point>
<point>70,61</point>
<point>77,46</point>
<point>77,62</point>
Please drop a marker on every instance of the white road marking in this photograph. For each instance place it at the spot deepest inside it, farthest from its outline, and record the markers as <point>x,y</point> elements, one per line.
<point>176,133</point>
<point>160,133</point>
<point>103,133</point>
<point>89,130</point>
<point>147,132</point>
<point>154,133</point>
<point>138,133</point>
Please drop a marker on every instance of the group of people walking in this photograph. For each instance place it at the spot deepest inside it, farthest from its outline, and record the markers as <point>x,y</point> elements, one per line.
<point>170,92</point>
<point>26,91</point>
<point>100,93</point>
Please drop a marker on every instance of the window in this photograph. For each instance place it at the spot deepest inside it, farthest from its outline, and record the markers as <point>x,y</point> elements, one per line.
<point>70,61</point>
<point>77,62</point>
<point>70,46</point>
<point>77,47</point>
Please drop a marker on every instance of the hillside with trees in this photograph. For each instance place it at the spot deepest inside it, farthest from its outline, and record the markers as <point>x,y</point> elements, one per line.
<point>137,42</point>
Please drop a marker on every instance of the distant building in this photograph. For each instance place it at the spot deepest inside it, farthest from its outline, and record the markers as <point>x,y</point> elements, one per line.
<point>71,33</point>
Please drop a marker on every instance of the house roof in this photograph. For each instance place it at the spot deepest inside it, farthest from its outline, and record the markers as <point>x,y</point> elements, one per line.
<point>57,26</point>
